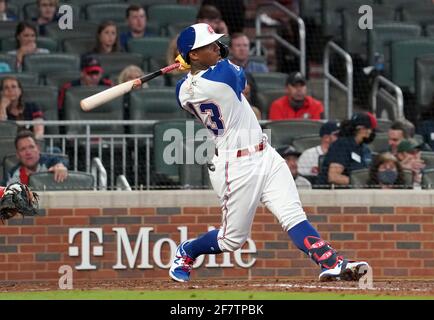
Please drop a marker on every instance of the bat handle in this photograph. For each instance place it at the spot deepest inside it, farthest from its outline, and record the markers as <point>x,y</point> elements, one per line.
<point>138,83</point>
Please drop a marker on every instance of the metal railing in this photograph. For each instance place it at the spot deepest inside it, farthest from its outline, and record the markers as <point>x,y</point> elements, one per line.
<point>122,183</point>
<point>99,173</point>
<point>398,99</point>
<point>348,87</point>
<point>301,52</point>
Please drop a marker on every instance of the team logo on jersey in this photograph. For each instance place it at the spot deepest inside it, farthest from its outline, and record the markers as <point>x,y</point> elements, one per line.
<point>210,29</point>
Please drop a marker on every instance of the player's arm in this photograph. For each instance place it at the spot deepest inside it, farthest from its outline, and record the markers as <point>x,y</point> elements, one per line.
<point>335,174</point>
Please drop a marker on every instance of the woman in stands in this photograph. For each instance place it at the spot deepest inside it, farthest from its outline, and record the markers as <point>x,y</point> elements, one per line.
<point>25,36</point>
<point>386,172</point>
<point>107,38</point>
<point>12,106</point>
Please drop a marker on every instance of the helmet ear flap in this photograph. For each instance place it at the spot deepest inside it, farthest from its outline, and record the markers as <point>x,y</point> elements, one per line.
<point>224,50</point>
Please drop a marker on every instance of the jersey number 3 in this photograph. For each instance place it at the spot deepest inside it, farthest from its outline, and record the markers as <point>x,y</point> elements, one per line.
<point>215,122</point>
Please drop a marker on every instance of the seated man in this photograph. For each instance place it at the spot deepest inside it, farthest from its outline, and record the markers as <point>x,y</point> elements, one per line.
<point>91,75</point>
<point>291,157</point>
<point>239,48</point>
<point>136,20</point>
<point>296,104</point>
<point>31,161</point>
<point>308,161</point>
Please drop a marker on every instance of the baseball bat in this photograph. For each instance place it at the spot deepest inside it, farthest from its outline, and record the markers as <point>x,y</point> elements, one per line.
<point>102,97</point>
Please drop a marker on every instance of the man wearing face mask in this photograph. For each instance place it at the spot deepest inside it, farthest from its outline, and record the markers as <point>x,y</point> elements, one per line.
<point>296,104</point>
<point>350,151</point>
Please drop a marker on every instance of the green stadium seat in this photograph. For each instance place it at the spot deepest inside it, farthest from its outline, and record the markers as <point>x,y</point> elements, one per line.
<point>59,79</point>
<point>153,104</point>
<point>166,135</point>
<point>195,175</point>
<point>7,29</point>
<point>169,14</point>
<point>173,78</point>
<point>14,9</point>
<point>109,111</point>
<point>25,78</point>
<point>46,98</point>
<point>270,80</point>
<point>311,9</point>
<point>44,181</point>
<point>84,29</point>
<point>266,97</point>
<point>147,3</point>
<point>7,146</point>
<point>306,142</point>
<point>421,14</point>
<point>424,79</point>
<point>45,64</point>
<point>380,143</point>
<point>150,48</point>
<point>173,30</point>
<point>359,178</point>
<point>106,11</point>
<point>381,37</point>
<point>383,125</point>
<point>116,62</point>
<point>403,58</point>
<point>428,158</point>
<point>430,31</point>
<point>428,179</point>
<point>11,60</point>
<point>283,132</point>
<point>8,129</point>
<point>78,45</point>
<point>8,44</point>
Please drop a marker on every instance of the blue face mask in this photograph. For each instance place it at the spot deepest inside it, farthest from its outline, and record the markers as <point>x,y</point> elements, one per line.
<point>387,177</point>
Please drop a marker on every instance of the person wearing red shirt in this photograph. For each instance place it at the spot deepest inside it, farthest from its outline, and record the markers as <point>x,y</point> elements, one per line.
<point>297,104</point>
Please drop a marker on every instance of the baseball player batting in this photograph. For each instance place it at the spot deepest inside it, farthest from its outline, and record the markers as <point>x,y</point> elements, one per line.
<point>245,169</point>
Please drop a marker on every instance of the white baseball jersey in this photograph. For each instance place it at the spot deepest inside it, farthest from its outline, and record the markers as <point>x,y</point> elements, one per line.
<point>214,96</point>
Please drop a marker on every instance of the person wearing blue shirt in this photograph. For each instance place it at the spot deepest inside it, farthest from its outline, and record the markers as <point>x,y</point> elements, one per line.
<point>350,151</point>
<point>136,19</point>
<point>5,14</point>
<point>240,54</point>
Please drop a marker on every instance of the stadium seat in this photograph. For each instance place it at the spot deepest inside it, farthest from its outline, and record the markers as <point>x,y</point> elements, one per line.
<point>426,130</point>
<point>78,45</point>
<point>380,143</point>
<point>403,55</point>
<point>383,125</point>
<point>421,14</point>
<point>270,80</point>
<point>174,29</point>
<point>311,9</point>
<point>150,48</point>
<point>52,63</point>
<point>84,29</point>
<point>7,29</point>
<point>10,60</point>
<point>168,14</point>
<point>428,158</point>
<point>44,181</point>
<point>386,107</point>
<point>59,79</point>
<point>359,178</point>
<point>109,111</point>
<point>195,175</point>
<point>153,104</point>
<point>430,30</point>
<point>424,79</point>
<point>25,78</point>
<point>106,11</point>
<point>173,78</point>
<point>381,37</point>
<point>30,10</point>
<point>283,132</point>
<point>306,142</point>
<point>7,146</point>
<point>428,179</point>
<point>46,98</point>
<point>167,153</point>
<point>14,9</point>
<point>116,62</point>
<point>8,129</point>
<point>266,97</point>
<point>8,44</point>
<point>147,3</point>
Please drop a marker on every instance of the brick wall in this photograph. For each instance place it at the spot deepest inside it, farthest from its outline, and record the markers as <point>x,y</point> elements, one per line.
<point>396,241</point>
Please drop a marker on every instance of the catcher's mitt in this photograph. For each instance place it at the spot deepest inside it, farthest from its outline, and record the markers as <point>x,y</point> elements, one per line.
<point>18,198</point>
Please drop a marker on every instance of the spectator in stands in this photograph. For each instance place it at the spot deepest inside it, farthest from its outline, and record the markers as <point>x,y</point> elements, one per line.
<point>239,47</point>
<point>386,172</point>
<point>91,75</point>
<point>350,151</point>
<point>136,19</point>
<point>47,13</point>
<point>291,157</point>
<point>12,106</point>
<point>409,155</point>
<point>107,39</point>
<point>25,36</point>
<point>308,161</point>
<point>209,14</point>
<point>5,14</point>
<point>249,92</point>
<point>31,161</point>
<point>396,133</point>
<point>296,104</point>
<point>131,72</point>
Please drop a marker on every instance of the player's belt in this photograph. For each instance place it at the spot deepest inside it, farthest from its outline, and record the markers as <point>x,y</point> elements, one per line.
<point>247,151</point>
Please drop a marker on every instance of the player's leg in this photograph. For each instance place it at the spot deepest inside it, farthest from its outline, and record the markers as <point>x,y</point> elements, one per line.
<point>280,195</point>
<point>239,191</point>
